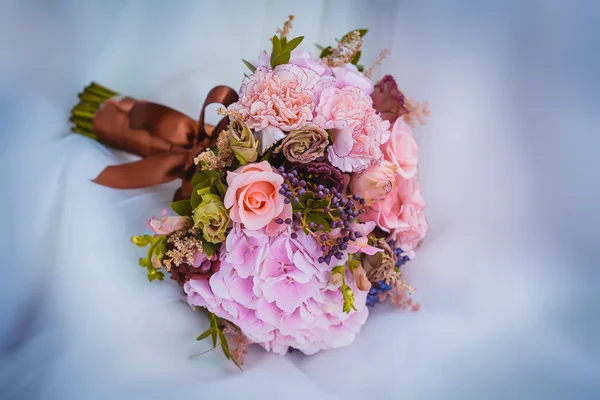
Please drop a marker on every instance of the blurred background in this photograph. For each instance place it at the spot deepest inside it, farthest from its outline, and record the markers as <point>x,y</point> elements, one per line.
<point>508,276</point>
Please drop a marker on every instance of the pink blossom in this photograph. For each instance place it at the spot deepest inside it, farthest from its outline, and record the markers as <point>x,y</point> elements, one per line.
<point>402,149</point>
<point>374,183</point>
<point>253,197</point>
<point>402,213</point>
<point>349,75</point>
<point>358,132</point>
<point>282,97</point>
<point>165,225</point>
<point>277,292</point>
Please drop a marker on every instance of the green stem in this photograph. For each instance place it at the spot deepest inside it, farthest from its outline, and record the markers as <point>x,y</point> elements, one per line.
<point>90,100</point>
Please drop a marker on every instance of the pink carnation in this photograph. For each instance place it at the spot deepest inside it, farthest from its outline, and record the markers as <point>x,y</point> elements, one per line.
<point>277,292</point>
<point>358,131</point>
<point>281,98</point>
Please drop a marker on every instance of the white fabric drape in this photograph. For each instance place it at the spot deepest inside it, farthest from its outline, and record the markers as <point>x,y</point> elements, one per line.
<point>504,277</point>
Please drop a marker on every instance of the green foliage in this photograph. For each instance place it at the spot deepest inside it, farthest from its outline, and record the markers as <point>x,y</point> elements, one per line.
<point>282,50</point>
<point>251,67</point>
<point>206,182</point>
<point>347,293</point>
<point>182,207</point>
<point>157,249</point>
<point>218,337</point>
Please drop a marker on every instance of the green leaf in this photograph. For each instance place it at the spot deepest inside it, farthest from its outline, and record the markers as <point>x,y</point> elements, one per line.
<point>209,248</point>
<point>319,47</point>
<point>362,33</point>
<point>276,44</point>
<point>205,334</point>
<point>321,203</point>
<point>211,173</point>
<point>224,344</point>
<point>292,44</point>
<point>325,52</point>
<point>182,207</point>
<point>319,218</point>
<point>251,67</point>
<point>195,199</point>
<point>215,326</point>
<point>360,68</point>
<point>356,57</point>
<point>198,177</point>
<point>283,42</point>
<point>282,58</point>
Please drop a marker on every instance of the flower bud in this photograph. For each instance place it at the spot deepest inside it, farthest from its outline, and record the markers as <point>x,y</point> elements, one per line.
<point>360,277</point>
<point>141,241</point>
<point>242,142</point>
<point>156,263</point>
<point>335,278</point>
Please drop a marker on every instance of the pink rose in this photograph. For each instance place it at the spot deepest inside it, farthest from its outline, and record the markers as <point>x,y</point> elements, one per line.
<point>401,213</point>
<point>253,197</point>
<point>402,149</point>
<point>166,225</point>
<point>281,98</point>
<point>358,132</point>
<point>374,183</point>
<point>349,75</point>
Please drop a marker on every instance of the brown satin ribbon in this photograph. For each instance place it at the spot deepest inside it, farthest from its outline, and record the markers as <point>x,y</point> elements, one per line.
<point>167,140</point>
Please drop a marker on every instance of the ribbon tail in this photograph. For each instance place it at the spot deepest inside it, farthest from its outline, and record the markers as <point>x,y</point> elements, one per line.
<point>150,171</point>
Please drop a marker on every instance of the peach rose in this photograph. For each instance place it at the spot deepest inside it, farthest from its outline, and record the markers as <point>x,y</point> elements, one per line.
<point>402,149</point>
<point>281,98</point>
<point>253,197</point>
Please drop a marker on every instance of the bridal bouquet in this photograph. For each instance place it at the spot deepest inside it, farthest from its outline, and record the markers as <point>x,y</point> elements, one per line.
<point>297,211</point>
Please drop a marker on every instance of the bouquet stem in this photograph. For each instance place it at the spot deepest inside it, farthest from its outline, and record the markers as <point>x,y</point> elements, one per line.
<point>90,100</point>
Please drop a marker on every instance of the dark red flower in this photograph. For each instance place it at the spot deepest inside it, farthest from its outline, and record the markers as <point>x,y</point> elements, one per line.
<point>388,100</point>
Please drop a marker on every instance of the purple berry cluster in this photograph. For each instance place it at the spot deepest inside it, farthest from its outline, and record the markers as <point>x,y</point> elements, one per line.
<point>339,211</point>
<point>377,288</point>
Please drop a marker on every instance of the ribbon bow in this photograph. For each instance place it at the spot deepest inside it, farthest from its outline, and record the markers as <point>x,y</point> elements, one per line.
<point>167,140</point>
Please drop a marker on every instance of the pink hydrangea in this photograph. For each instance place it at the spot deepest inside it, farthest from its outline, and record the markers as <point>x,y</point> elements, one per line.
<point>358,131</point>
<point>277,292</point>
<point>281,98</point>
